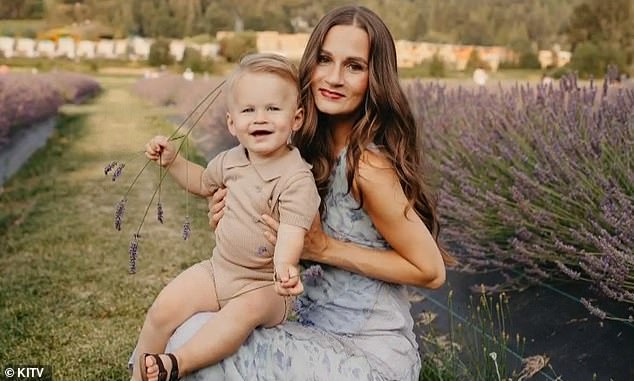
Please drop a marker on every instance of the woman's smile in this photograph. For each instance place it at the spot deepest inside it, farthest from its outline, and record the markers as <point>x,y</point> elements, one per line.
<point>332,95</point>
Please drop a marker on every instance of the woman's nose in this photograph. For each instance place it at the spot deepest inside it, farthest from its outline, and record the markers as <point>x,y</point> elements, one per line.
<point>335,75</point>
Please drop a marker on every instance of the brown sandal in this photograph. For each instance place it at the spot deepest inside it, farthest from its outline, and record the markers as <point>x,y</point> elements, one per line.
<point>162,376</point>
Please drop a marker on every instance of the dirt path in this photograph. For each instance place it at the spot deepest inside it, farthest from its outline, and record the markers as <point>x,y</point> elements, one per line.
<point>66,298</point>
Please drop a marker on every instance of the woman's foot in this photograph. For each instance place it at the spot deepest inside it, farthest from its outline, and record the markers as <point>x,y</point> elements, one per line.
<point>159,367</point>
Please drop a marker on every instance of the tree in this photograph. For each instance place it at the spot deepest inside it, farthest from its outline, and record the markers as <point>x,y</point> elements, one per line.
<point>234,48</point>
<point>475,62</point>
<point>437,66</point>
<point>160,53</point>
<point>604,28</point>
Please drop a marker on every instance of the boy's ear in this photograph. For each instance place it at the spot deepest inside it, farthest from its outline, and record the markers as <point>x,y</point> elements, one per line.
<point>230,125</point>
<point>298,119</point>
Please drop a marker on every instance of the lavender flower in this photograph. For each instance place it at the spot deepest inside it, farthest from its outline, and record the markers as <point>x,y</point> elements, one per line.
<point>594,310</point>
<point>109,167</point>
<point>313,274</point>
<point>159,212</point>
<point>568,271</point>
<point>119,212</point>
<point>117,172</point>
<point>187,229</point>
<point>133,251</point>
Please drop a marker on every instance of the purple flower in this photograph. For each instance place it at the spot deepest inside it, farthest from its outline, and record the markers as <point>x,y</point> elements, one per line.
<point>109,167</point>
<point>133,251</point>
<point>568,271</point>
<point>594,310</point>
<point>118,214</point>
<point>117,172</point>
<point>187,229</point>
<point>159,212</point>
<point>313,274</point>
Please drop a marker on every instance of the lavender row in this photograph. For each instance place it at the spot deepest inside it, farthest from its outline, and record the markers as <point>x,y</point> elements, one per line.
<point>537,180</point>
<point>28,98</point>
<point>75,88</point>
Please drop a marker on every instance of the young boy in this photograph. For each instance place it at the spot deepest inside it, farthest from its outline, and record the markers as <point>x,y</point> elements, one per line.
<point>263,175</point>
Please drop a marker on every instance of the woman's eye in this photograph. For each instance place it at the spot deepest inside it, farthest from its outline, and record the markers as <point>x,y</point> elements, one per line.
<point>321,59</point>
<point>355,67</point>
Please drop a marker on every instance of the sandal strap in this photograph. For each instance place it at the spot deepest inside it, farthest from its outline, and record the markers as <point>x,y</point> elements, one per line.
<point>174,372</point>
<point>162,376</point>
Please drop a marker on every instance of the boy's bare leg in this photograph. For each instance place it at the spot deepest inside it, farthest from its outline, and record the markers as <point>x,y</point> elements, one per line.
<point>190,292</point>
<point>225,332</point>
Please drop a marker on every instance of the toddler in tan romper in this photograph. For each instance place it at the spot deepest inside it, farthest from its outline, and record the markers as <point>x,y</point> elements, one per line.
<point>247,280</point>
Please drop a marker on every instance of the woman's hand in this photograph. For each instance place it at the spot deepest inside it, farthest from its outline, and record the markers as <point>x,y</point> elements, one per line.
<point>315,242</point>
<point>216,207</point>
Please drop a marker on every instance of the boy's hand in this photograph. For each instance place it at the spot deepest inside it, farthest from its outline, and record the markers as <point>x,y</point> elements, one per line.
<point>287,280</point>
<point>160,148</point>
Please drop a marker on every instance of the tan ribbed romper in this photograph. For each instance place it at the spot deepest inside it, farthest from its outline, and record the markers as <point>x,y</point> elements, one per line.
<point>243,259</point>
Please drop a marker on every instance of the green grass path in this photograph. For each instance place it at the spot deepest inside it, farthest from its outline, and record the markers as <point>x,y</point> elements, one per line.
<point>66,299</point>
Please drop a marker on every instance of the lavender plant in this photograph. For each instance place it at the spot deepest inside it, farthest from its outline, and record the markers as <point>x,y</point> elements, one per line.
<point>25,99</point>
<point>75,88</point>
<point>537,180</point>
<point>28,98</point>
<point>117,166</point>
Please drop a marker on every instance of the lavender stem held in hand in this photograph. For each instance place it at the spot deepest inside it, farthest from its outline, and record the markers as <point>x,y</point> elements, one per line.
<point>118,171</point>
<point>109,167</point>
<point>119,212</point>
<point>187,229</point>
<point>159,212</point>
<point>133,251</point>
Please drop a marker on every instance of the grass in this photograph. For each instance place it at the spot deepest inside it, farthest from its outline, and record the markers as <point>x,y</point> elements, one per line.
<point>66,299</point>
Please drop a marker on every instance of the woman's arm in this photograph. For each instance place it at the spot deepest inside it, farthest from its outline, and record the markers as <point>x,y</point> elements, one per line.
<point>414,258</point>
<point>386,265</point>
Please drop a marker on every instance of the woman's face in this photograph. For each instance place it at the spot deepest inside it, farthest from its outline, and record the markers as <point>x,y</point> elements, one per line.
<point>340,79</point>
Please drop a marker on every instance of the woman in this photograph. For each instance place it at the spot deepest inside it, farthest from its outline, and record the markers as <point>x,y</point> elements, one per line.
<point>378,229</point>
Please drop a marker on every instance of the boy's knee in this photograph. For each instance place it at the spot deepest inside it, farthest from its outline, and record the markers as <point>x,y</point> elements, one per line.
<point>161,313</point>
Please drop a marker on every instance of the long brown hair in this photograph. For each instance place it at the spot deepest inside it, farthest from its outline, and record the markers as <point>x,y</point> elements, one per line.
<point>387,120</point>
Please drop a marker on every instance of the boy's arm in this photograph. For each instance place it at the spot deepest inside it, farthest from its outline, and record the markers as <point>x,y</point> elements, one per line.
<point>289,245</point>
<point>288,250</point>
<point>298,204</point>
<point>189,176</point>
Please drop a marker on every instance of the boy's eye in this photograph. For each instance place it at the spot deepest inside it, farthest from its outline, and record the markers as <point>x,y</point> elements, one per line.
<point>273,108</point>
<point>247,109</point>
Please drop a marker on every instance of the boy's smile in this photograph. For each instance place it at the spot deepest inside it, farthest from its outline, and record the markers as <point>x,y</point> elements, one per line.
<point>263,111</point>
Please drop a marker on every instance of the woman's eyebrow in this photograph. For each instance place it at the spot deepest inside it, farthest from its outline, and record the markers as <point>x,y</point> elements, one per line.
<point>350,58</point>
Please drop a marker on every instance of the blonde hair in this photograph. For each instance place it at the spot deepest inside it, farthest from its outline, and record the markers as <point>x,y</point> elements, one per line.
<point>264,63</point>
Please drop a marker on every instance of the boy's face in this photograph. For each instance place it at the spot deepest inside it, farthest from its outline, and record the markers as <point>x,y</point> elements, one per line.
<point>263,112</point>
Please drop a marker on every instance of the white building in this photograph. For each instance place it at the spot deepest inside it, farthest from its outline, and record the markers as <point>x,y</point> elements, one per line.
<point>25,47</point>
<point>66,47</point>
<point>6,46</point>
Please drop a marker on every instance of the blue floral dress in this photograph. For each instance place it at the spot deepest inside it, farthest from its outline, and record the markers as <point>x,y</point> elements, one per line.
<point>349,327</point>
